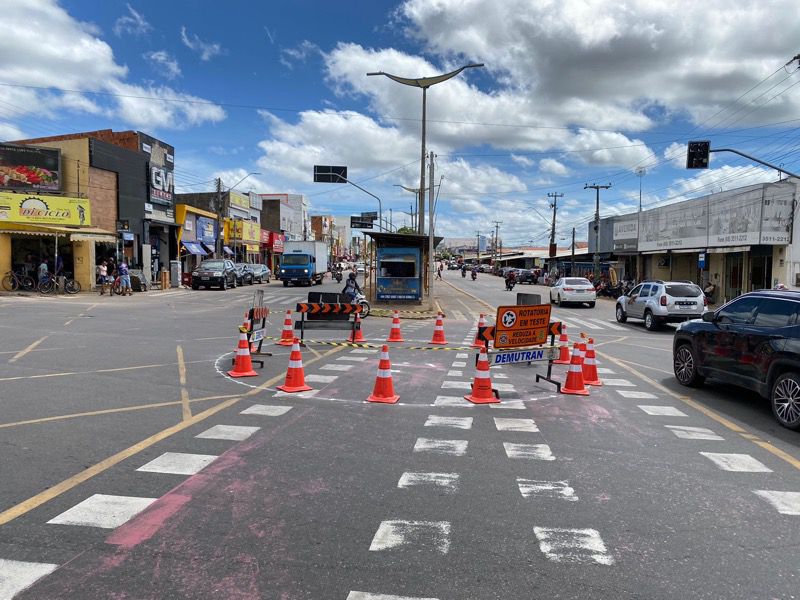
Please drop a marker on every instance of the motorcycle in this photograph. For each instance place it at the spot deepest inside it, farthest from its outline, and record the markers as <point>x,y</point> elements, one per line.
<point>338,276</point>
<point>464,274</point>
<point>474,276</point>
<point>361,299</point>
<point>510,283</point>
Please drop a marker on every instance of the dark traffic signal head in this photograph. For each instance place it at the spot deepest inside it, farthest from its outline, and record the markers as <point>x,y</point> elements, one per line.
<point>697,154</point>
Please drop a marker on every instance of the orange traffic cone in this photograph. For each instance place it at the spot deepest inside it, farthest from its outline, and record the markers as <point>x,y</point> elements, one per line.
<point>590,376</point>
<point>582,348</point>
<point>384,388</point>
<point>482,392</point>
<point>563,357</point>
<point>295,376</point>
<point>574,382</point>
<point>359,336</point>
<point>478,343</point>
<point>395,335</point>
<point>287,336</point>
<point>438,332</point>
<point>242,365</point>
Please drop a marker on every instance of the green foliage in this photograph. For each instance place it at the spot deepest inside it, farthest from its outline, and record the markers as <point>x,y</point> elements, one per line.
<point>406,229</point>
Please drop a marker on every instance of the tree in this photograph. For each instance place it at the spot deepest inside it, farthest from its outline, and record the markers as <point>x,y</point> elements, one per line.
<point>406,229</point>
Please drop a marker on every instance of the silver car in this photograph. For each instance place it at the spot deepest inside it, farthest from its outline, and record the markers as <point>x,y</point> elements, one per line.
<point>657,302</point>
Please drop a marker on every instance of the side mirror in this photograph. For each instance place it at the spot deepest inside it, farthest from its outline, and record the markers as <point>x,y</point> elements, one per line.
<point>709,317</point>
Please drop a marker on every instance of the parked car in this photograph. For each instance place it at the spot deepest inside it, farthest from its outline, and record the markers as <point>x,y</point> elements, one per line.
<point>526,276</point>
<point>214,273</point>
<point>244,274</point>
<point>573,289</point>
<point>753,342</point>
<point>485,268</point>
<point>658,302</point>
<point>261,273</point>
<point>360,268</point>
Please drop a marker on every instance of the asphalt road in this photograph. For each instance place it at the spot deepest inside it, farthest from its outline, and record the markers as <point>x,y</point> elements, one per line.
<point>132,467</point>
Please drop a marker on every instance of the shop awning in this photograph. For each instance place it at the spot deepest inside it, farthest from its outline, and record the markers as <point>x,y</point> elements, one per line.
<point>93,234</point>
<point>227,250</point>
<point>209,249</point>
<point>83,234</point>
<point>194,248</point>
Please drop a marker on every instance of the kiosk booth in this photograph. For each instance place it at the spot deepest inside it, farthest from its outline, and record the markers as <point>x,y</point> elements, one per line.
<point>397,268</point>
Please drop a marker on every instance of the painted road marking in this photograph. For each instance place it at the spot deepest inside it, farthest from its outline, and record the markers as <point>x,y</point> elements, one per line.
<point>741,463</point>
<point>605,371</point>
<point>504,424</point>
<point>455,373</point>
<point>504,387</point>
<point>499,375</point>
<point>30,348</point>
<point>786,503</point>
<point>530,488</point>
<point>449,481</point>
<point>267,410</point>
<point>453,401</point>
<point>306,394</point>
<point>455,422</point>
<point>315,378</point>
<point>462,355</point>
<point>510,404</point>
<point>573,545</point>
<point>693,433</point>
<point>395,534</point>
<point>101,510</point>
<point>663,411</point>
<point>234,433</point>
<point>619,382</point>
<point>178,463</point>
<point>370,596</point>
<point>353,358</point>
<point>454,447</point>
<point>459,364</point>
<point>636,394</point>
<point>586,324</point>
<point>609,324</point>
<point>16,576</point>
<point>458,315</point>
<point>456,385</point>
<point>364,351</point>
<point>334,367</point>
<point>528,451</point>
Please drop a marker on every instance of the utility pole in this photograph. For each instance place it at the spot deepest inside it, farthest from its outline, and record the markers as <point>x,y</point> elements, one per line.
<point>555,196</point>
<point>496,240</point>
<point>220,217</point>
<point>597,189</point>
<point>431,261</point>
<point>477,247</point>
<point>640,172</point>
<point>572,261</point>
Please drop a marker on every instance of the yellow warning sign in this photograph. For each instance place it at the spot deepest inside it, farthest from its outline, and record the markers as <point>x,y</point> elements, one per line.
<point>517,326</point>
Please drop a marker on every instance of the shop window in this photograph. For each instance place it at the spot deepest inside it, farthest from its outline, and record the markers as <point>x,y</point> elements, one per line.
<point>398,266</point>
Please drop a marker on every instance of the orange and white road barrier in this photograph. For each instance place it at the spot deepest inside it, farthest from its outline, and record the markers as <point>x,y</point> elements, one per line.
<point>359,336</point>
<point>295,376</point>
<point>242,364</point>
<point>563,357</point>
<point>287,335</point>
<point>384,388</point>
<point>574,382</point>
<point>479,343</point>
<point>589,371</point>
<point>482,392</point>
<point>395,335</point>
<point>438,332</point>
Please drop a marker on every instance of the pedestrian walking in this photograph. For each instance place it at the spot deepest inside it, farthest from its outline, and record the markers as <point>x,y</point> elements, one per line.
<point>439,272</point>
<point>124,278</point>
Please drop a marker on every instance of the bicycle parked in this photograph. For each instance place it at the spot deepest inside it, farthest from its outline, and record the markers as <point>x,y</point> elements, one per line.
<point>14,281</point>
<point>49,284</point>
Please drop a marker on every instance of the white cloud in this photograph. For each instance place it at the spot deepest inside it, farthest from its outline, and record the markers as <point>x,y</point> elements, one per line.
<point>206,50</point>
<point>164,63</point>
<point>133,23</point>
<point>9,131</point>
<point>156,107</point>
<point>552,166</point>
<point>301,53</point>
<point>675,154</point>
<point>244,183</point>
<point>523,161</point>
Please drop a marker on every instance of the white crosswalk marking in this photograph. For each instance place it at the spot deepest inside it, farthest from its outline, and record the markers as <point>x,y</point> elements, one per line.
<point>178,463</point>
<point>454,401</point>
<point>102,510</point>
<point>786,503</point>
<point>619,382</point>
<point>636,394</point>
<point>456,385</point>
<point>461,355</point>
<point>267,410</point>
<point>605,371</point>
<point>456,422</point>
<point>458,315</point>
<point>529,451</point>
<point>662,411</point>
<point>459,364</point>
<point>395,534</point>
<point>454,447</point>
<point>234,433</point>
<point>509,404</point>
<point>16,576</point>
<point>335,367</point>
<point>572,545</point>
<point>693,433</point>
<point>316,378</point>
<point>608,324</point>
<point>370,596</point>
<point>353,358</point>
<point>449,481</point>
<point>584,325</point>
<point>455,373</point>
<point>741,463</point>
<point>503,424</point>
<point>530,488</point>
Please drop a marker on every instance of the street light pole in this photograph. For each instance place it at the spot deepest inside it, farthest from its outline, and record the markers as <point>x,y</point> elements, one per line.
<point>597,189</point>
<point>424,83</point>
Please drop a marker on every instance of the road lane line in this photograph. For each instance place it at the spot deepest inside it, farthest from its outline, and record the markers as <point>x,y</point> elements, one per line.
<point>112,370</point>
<point>25,351</point>
<point>646,366</point>
<point>186,411</point>
<point>711,414</point>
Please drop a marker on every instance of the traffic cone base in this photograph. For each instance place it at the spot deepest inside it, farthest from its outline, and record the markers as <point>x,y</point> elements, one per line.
<point>482,392</point>
<point>295,375</point>
<point>438,332</point>
<point>242,364</point>
<point>383,391</point>
<point>574,383</point>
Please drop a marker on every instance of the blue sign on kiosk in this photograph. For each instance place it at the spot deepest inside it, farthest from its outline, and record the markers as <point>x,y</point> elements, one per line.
<point>398,276</point>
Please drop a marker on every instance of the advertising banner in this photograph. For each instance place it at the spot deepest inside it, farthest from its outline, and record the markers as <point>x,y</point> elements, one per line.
<point>276,241</point>
<point>44,210</point>
<point>30,167</point>
<point>679,225</point>
<point>239,200</point>
<point>734,218</point>
<point>398,288</point>
<point>246,232</point>
<point>626,233</point>
<point>776,214</point>
<point>206,230</point>
<point>161,168</point>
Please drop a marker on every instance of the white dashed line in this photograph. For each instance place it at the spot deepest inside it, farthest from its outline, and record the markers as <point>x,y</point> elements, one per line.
<point>454,447</point>
<point>528,451</point>
<point>527,425</point>
<point>741,463</point>
<point>786,503</point>
<point>234,433</point>
<point>370,596</point>
<point>101,510</point>
<point>663,411</point>
<point>449,481</point>
<point>693,433</point>
<point>530,488</point>
<point>266,410</point>
<point>395,534</point>
<point>459,364</point>
<point>454,422</point>
<point>636,394</point>
<point>178,463</point>
<point>453,401</point>
<point>335,367</point>
<point>572,545</point>
<point>316,378</point>
<point>456,385</point>
<point>455,373</point>
<point>16,576</point>
<point>619,382</point>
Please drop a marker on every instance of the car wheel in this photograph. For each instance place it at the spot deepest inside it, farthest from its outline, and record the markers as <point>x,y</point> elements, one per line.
<point>591,304</point>
<point>195,286</point>
<point>785,400</point>
<point>558,300</point>
<point>224,285</point>
<point>684,365</point>
<point>621,316</point>
<point>650,322</point>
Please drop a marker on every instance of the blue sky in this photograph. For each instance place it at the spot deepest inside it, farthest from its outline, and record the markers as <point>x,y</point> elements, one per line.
<point>573,92</point>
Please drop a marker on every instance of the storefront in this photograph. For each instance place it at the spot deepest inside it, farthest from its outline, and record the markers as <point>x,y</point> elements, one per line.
<point>196,235</point>
<point>244,239</point>
<point>272,246</point>
<point>400,273</point>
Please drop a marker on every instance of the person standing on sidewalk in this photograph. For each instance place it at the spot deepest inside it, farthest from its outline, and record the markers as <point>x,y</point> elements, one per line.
<point>439,272</point>
<point>124,278</point>
<point>102,278</point>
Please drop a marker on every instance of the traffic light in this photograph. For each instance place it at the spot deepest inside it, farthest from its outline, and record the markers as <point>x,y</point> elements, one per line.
<point>697,154</point>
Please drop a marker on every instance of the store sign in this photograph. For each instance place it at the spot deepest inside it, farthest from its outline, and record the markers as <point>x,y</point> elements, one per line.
<point>44,210</point>
<point>276,241</point>
<point>206,230</point>
<point>680,225</point>
<point>776,214</point>
<point>398,288</point>
<point>246,231</point>
<point>240,200</point>
<point>188,225</point>
<point>161,167</point>
<point>30,167</point>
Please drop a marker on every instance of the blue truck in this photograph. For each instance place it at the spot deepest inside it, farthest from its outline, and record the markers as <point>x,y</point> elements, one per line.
<point>303,263</point>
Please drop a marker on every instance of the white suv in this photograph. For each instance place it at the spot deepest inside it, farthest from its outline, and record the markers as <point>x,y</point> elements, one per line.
<point>658,302</point>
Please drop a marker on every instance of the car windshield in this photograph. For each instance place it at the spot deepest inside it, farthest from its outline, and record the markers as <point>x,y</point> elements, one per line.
<point>683,290</point>
<point>295,259</point>
<point>212,264</point>
<point>576,281</point>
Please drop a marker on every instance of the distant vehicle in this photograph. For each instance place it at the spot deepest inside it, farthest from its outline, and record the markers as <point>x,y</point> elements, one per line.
<point>573,289</point>
<point>261,273</point>
<point>360,268</point>
<point>303,263</point>
<point>485,268</point>
<point>753,342</point>
<point>526,276</point>
<point>214,273</point>
<point>244,274</point>
<point>658,302</point>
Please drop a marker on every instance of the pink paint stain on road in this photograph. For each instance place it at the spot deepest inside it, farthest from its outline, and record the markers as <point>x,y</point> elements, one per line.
<point>149,522</point>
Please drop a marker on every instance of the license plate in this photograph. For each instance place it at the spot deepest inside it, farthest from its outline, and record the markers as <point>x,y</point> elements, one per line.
<point>205,278</point>
<point>294,278</point>
<point>687,307</point>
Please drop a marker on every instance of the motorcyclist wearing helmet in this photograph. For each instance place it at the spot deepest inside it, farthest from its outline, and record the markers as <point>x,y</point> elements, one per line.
<point>351,288</point>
